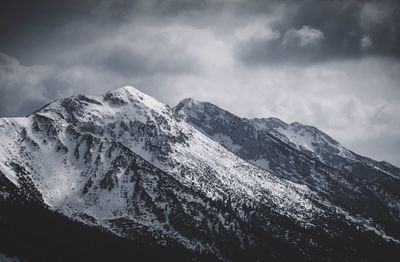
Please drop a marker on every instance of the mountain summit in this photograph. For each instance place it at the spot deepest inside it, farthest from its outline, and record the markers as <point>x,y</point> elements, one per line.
<point>199,178</point>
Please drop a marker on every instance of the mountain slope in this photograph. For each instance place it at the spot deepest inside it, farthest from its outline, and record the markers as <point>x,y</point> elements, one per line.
<point>31,232</point>
<point>305,155</point>
<point>127,163</point>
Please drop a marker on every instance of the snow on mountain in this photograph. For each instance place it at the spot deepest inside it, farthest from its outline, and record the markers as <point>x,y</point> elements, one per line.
<point>308,139</point>
<point>101,159</point>
<point>132,165</point>
<point>305,155</point>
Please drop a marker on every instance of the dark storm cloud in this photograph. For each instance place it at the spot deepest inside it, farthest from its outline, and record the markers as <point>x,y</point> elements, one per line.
<point>36,31</point>
<point>349,29</point>
<point>26,25</point>
<point>153,57</point>
<point>122,60</point>
<point>50,49</point>
<point>18,88</point>
<point>333,64</point>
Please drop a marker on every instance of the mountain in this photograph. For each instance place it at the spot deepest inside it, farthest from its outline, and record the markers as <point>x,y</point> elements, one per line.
<point>33,232</point>
<point>130,166</point>
<point>307,156</point>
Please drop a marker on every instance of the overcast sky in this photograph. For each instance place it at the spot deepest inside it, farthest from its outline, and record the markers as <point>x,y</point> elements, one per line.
<point>331,64</point>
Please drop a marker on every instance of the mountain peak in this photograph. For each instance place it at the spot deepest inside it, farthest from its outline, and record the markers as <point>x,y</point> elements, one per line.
<point>194,108</point>
<point>188,100</point>
<point>187,103</point>
<point>131,95</point>
<point>124,95</point>
<point>188,106</point>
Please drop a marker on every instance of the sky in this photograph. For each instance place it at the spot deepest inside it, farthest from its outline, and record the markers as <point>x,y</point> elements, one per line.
<point>327,63</point>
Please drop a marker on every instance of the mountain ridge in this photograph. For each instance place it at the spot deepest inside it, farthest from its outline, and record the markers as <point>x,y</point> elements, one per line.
<point>130,164</point>
<point>268,122</point>
<point>279,147</point>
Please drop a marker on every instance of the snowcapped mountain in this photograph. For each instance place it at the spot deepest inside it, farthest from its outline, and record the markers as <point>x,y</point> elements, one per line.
<point>305,155</point>
<point>198,177</point>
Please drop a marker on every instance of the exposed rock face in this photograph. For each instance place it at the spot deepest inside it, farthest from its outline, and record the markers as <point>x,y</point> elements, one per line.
<point>130,164</point>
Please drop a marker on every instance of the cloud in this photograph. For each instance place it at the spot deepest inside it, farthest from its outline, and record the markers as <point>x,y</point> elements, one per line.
<point>343,23</point>
<point>337,97</point>
<point>345,30</point>
<point>20,86</point>
<point>366,42</point>
<point>256,30</point>
<point>305,36</point>
<point>333,64</point>
<point>147,56</point>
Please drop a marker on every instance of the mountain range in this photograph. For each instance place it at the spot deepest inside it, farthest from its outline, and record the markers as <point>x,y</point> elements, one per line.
<point>122,176</point>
